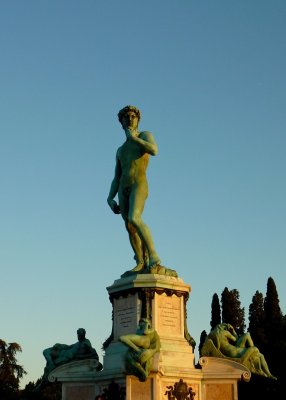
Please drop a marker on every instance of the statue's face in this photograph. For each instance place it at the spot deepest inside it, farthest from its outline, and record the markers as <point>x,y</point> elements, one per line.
<point>144,327</point>
<point>130,120</point>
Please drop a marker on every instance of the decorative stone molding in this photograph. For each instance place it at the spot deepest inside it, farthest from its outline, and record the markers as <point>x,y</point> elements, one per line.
<point>219,367</point>
<point>76,371</point>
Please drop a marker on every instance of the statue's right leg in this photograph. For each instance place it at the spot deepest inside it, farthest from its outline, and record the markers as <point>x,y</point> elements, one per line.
<point>134,238</point>
<point>136,245</point>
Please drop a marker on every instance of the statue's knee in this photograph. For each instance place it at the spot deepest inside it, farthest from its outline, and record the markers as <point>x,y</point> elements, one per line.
<point>131,228</point>
<point>134,219</point>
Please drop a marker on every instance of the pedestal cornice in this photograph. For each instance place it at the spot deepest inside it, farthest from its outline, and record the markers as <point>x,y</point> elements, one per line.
<point>149,282</point>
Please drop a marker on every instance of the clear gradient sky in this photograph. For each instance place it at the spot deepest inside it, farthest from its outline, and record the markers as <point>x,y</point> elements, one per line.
<point>209,78</point>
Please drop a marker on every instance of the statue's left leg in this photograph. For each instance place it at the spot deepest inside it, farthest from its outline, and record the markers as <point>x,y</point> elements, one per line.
<point>136,206</point>
<point>134,238</point>
<point>265,368</point>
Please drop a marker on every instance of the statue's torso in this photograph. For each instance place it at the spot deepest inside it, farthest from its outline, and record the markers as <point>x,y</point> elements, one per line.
<point>133,162</point>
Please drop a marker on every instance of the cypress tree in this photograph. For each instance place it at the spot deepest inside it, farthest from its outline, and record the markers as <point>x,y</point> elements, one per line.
<point>202,340</point>
<point>276,344</point>
<point>232,312</point>
<point>257,321</point>
<point>215,312</point>
<point>273,314</point>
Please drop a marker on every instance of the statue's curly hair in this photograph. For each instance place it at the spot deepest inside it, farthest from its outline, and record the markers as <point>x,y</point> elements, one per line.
<point>124,110</point>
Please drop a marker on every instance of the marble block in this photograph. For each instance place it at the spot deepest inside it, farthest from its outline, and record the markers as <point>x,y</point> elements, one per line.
<point>163,300</point>
<point>126,311</point>
<point>220,377</point>
<point>77,378</point>
<point>76,391</point>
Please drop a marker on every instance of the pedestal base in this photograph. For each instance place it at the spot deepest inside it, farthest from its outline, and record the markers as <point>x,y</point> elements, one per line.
<point>76,391</point>
<point>77,378</point>
<point>215,380</point>
<point>161,299</point>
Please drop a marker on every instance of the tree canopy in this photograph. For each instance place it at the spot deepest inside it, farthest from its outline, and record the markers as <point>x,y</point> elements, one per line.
<point>215,312</point>
<point>10,371</point>
<point>267,327</point>
<point>232,312</point>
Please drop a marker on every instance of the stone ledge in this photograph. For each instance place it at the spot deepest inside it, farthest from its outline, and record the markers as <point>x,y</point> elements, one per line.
<point>213,367</point>
<point>75,371</point>
<point>148,281</point>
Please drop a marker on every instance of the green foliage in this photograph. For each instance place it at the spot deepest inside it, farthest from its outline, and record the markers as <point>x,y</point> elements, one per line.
<point>259,388</point>
<point>275,351</point>
<point>215,312</point>
<point>10,371</point>
<point>51,392</point>
<point>232,312</point>
<point>273,314</point>
<point>40,391</point>
<point>202,340</point>
<point>257,321</point>
<point>267,327</point>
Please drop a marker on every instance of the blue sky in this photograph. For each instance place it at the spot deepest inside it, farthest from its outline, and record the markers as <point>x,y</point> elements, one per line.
<point>209,78</point>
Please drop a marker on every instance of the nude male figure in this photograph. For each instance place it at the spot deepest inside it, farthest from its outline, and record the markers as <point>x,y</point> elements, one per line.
<point>62,353</point>
<point>130,183</point>
<point>142,347</point>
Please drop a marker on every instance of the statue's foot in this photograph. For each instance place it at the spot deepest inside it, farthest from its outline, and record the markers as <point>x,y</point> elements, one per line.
<point>157,268</point>
<point>154,262</point>
<point>272,377</point>
<point>142,378</point>
<point>142,375</point>
<point>137,269</point>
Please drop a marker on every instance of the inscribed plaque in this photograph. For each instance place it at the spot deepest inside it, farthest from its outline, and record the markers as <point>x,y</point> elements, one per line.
<point>126,315</point>
<point>169,311</point>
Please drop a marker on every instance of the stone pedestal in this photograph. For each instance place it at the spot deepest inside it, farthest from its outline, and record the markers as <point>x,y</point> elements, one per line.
<point>220,377</point>
<point>77,378</point>
<point>162,299</point>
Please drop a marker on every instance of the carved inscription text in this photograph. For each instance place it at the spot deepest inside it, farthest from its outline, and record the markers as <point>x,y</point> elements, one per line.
<point>169,315</point>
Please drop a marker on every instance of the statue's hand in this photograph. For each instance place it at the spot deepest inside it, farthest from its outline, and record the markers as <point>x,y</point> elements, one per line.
<point>146,355</point>
<point>114,206</point>
<point>130,134</point>
<point>137,354</point>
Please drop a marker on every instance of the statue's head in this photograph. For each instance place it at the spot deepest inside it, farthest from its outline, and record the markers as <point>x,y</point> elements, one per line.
<point>81,333</point>
<point>144,321</point>
<point>145,326</point>
<point>128,110</point>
